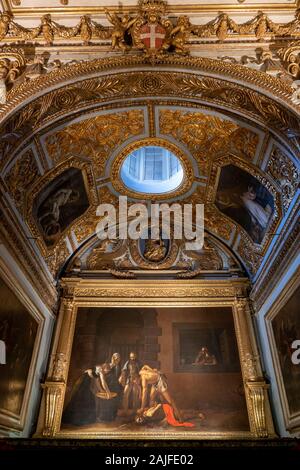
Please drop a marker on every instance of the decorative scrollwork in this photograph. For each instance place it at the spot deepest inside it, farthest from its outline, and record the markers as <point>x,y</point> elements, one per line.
<point>21,176</point>
<point>285,172</point>
<point>12,65</point>
<point>290,57</point>
<point>59,367</point>
<point>126,31</point>
<point>96,137</point>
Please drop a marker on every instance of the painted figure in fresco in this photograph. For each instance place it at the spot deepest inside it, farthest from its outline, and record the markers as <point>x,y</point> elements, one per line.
<point>155,250</point>
<point>156,381</point>
<point>49,219</point>
<point>132,383</point>
<point>204,358</point>
<point>259,214</point>
<point>243,205</point>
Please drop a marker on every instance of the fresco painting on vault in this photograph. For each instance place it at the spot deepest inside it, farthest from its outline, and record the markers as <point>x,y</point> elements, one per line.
<point>143,370</point>
<point>62,201</point>
<point>18,331</point>
<point>286,329</point>
<point>243,198</point>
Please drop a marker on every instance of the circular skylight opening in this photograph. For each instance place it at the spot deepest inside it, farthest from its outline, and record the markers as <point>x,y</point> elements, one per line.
<point>152,170</point>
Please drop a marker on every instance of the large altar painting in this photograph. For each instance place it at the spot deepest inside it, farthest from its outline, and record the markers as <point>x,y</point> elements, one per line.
<point>149,371</point>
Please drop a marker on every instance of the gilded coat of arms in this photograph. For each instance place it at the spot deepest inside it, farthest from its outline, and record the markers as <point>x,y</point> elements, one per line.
<point>149,30</point>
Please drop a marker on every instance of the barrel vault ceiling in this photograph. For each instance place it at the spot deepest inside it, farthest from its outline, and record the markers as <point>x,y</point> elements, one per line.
<point>85,116</point>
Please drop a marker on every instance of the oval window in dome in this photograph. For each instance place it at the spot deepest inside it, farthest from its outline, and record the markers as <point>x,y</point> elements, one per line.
<point>152,170</point>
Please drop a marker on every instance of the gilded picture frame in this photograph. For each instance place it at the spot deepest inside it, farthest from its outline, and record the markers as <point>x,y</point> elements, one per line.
<point>80,293</point>
<point>291,417</point>
<point>15,422</point>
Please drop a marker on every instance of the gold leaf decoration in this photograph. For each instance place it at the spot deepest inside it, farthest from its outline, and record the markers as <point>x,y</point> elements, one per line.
<point>284,171</point>
<point>95,138</point>
<point>207,136</point>
<point>21,176</point>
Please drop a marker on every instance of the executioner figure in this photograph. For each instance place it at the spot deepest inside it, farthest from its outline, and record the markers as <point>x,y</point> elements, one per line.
<point>157,382</point>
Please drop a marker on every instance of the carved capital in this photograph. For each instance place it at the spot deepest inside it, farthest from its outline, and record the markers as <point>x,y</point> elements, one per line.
<point>68,304</point>
<point>12,65</point>
<point>290,57</point>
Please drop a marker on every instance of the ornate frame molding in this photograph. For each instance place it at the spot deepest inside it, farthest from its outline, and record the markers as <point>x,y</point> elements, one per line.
<point>291,421</point>
<point>11,421</point>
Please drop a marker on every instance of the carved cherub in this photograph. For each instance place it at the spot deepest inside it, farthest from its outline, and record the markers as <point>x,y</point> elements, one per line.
<point>47,29</point>
<point>177,37</point>
<point>223,25</point>
<point>5,20</point>
<point>121,26</point>
<point>85,29</point>
<point>261,26</point>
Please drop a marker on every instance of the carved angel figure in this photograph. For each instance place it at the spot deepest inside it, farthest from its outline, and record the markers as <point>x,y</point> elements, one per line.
<point>47,29</point>
<point>121,26</point>
<point>223,25</point>
<point>178,36</point>
<point>5,20</point>
<point>85,29</point>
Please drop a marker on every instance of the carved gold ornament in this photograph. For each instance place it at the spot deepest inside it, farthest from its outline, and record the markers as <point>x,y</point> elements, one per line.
<point>123,34</point>
<point>207,136</point>
<point>217,223</point>
<point>285,172</point>
<point>164,261</point>
<point>12,65</point>
<point>22,175</point>
<point>290,57</point>
<point>97,90</point>
<point>95,138</point>
<point>249,254</point>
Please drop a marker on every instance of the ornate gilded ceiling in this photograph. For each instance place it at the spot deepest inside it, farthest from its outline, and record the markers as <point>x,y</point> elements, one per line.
<point>66,132</point>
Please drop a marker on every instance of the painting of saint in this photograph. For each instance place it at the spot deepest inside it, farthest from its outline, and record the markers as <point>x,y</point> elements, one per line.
<point>18,330</point>
<point>62,201</point>
<point>243,198</point>
<point>286,329</point>
<point>124,375</point>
